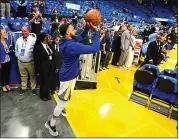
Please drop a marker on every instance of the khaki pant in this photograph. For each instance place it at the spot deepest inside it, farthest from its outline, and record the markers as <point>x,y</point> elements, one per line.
<point>5,9</point>
<point>130,58</point>
<point>25,69</point>
<point>86,66</point>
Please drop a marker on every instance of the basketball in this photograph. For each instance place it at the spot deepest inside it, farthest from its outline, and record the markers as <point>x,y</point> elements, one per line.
<point>93,16</point>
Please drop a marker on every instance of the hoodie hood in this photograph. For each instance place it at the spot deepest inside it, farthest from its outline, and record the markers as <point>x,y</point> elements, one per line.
<point>64,43</point>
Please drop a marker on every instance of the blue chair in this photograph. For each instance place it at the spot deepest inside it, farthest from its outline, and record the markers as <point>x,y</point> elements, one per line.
<point>144,85</point>
<point>4,20</point>
<point>17,26</point>
<point>162,94</point>
<point>170,73</point>
<point>11,20</point>
<point>144,48</point>
<point>18,19</point>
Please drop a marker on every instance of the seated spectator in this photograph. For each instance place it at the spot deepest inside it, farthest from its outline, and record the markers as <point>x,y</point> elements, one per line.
<point>5,61</point>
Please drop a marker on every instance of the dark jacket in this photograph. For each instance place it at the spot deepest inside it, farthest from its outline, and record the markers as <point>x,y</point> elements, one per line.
<point>154,52</point>
<point>41,58</point>
<point>57,56</point>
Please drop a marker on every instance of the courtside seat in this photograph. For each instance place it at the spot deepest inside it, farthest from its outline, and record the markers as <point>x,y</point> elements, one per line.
<point>154,69</point>
<point>162,93</point>
<point>144,80</point>
<point>170,73</point>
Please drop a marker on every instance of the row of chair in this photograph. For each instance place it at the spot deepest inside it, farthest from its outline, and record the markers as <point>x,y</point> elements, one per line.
<point>159,89</point>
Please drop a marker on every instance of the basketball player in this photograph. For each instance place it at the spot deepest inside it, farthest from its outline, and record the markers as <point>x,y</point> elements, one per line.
<point>71,50</point>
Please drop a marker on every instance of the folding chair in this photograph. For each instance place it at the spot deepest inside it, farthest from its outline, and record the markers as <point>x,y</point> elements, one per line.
<point>162,93</point>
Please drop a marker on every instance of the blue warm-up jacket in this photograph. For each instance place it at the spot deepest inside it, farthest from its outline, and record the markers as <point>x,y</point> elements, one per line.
<point>71,50</point>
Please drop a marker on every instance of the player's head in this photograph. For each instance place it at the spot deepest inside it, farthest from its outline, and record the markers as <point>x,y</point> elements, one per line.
<point>67,30</point>
<point>3,34</point>
<point>25,31</point>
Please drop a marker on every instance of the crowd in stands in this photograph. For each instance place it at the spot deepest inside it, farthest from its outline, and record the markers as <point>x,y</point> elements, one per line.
<point>118,43</point>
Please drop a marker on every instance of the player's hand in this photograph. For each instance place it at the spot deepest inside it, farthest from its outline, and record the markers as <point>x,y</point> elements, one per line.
<point>91,26</point>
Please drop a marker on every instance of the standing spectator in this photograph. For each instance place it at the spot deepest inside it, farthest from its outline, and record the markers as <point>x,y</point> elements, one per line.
<point>5,61</point>
<point>42,6</point>
<point>108,48</point>
<point>55,20</point>
<point>36,20</point>
<point>126,42</point>
<point>116,48</point>
<point>24,51</point>
<point>5,8</point>
<point>56,33</point>
<point>22,5</point>
<point>57,61</point>
<point>75,19</point>
<point>102,46</point>
<point>130,56</point>
<point>43,57</point>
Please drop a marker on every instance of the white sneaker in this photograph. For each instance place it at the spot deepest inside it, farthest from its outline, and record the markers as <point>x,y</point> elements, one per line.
<point>64,113</point>
<point>52,130</point>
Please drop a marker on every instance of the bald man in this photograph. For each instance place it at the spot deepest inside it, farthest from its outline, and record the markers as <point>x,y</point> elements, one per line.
<point>24,52</point>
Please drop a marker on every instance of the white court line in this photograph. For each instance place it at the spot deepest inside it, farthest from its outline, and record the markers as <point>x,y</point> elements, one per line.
<point>134,130</point>
<point>164,129</point>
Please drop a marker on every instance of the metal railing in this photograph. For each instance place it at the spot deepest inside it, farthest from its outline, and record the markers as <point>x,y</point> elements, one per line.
<point>13,36</point>
<point>89,66</point>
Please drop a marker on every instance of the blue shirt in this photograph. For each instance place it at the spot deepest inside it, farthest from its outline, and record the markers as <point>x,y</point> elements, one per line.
<point>2,51</point>
<point>71,50</point>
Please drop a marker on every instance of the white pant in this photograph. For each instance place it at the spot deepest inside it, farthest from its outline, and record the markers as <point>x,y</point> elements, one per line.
<point>130,57</point>
<point>65,92</point>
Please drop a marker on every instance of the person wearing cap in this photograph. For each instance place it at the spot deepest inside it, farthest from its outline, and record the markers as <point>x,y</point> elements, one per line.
<point>36,20</point>
<point>71,49</point>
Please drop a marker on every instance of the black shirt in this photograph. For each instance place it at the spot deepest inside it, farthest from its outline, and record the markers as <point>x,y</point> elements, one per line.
<point>36,27</point>
<point>74,20</point>
<point>56,21</point>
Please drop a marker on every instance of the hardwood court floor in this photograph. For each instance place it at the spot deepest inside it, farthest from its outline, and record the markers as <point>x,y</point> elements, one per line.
<point>106,111</point>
